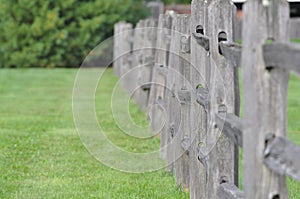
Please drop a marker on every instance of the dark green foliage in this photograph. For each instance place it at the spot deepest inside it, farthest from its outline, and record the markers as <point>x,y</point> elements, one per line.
<point>47,33</point>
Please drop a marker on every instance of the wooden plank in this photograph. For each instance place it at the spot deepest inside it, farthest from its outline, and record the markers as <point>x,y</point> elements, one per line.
<point>294,28</point>
<point>148,51</point>
<point>181,76</point>
<point>283,157</point>
<point>202,40</point>
<point>160,92</point>
<point>200,74</point>
<point>232,52</point>
<point>202,97</point>
<point>229,191</point>
<point>137,58</point>
<point>231,126</point>
<point>264,94</point>
<point>171,101</point>
<point>158,78</point>
<point>221,152</point>
<point>125,48</point>
<point>117,43</point>
<point>284,55</point>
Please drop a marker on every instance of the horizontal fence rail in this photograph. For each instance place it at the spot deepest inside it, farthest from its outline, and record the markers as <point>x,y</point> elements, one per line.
<point>182,70</point>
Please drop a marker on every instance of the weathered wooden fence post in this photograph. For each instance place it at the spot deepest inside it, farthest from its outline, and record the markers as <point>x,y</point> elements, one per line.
<point>171,103</point>
<point>137,57</point>
<point>264,94</point>
<point>117,41</point>
<point>145,71</point>
<point>200,73</point>
<point>125,47</point>
<point>159,75</point>
<point>182,91</point>
<point>219,149</point>
<point>294,28</point>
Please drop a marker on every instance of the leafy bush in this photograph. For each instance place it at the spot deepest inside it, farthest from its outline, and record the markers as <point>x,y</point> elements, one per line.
<point>35,33</point>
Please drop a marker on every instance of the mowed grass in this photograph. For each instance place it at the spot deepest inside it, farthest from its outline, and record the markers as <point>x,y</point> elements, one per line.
<point>41,154</point>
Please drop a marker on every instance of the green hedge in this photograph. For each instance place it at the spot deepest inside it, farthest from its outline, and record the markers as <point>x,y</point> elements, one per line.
<point>50,33</point>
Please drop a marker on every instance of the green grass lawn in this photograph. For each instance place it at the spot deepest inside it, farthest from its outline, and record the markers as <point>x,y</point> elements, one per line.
<point>41,155</point>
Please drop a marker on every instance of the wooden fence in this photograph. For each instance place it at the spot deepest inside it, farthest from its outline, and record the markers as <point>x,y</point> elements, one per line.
<point>183,71</point>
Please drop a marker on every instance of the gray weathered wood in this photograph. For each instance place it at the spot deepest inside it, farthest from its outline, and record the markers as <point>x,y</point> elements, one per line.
<point>117,43</point>
<point>221,152</point>
<point>145,71</point>
<point>200,74</point>
<point>229,191</point>
<point>159,77</point>
<point>232,52</point>
<point>202,40</point>
<point>172,103</point>
<point>137,58</point>
<point>284,55</point>
<point>125,47</point>
<point>264,94</point>
<point>231,125</point>
<point>294,27</point>
<point>202,97</point>
<point>283,157</point>
<point>181,64</point>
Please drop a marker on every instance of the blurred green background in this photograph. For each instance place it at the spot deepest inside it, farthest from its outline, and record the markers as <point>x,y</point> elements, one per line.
<point>50,33</point>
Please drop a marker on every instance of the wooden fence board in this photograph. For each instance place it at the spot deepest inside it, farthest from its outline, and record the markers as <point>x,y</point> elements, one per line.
<point>264,95</point>
<point>172,105</point>
<point>182,68</point>
<point>125,47</point>
<point>199,76</point>
<point>158,81</point>
<point>137,56</point>
<point>145,72</point>
<point>221,150</point>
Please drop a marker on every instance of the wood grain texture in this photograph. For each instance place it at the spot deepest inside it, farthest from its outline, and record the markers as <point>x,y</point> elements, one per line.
<point>229,191</point>
<point>231,126</point>
<point>283,55</point>
<point>264,94</point>
<point>200,74</point>
<point>137,57</point>
<point>283,157</point>
<point>294,28</point>
<point>220,150</point>
<point>172,102</point>
<point>158,81</point>
<point>148,54</point>
<point>181,76</point>
<point>232,52</point>
<point>125,47</point>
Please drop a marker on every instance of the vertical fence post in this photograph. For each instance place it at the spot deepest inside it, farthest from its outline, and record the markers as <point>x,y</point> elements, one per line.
<point>145,73</point>
<point>219,149</point>
<point>172,103</point>
<point>125,48</point>
<point>181,85</point>
<point>137,57</point>
<point>155,109</point>
<point>116,48</point>
<point>157,105</point>
<point>199,78</point>
<point>264,94</point>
